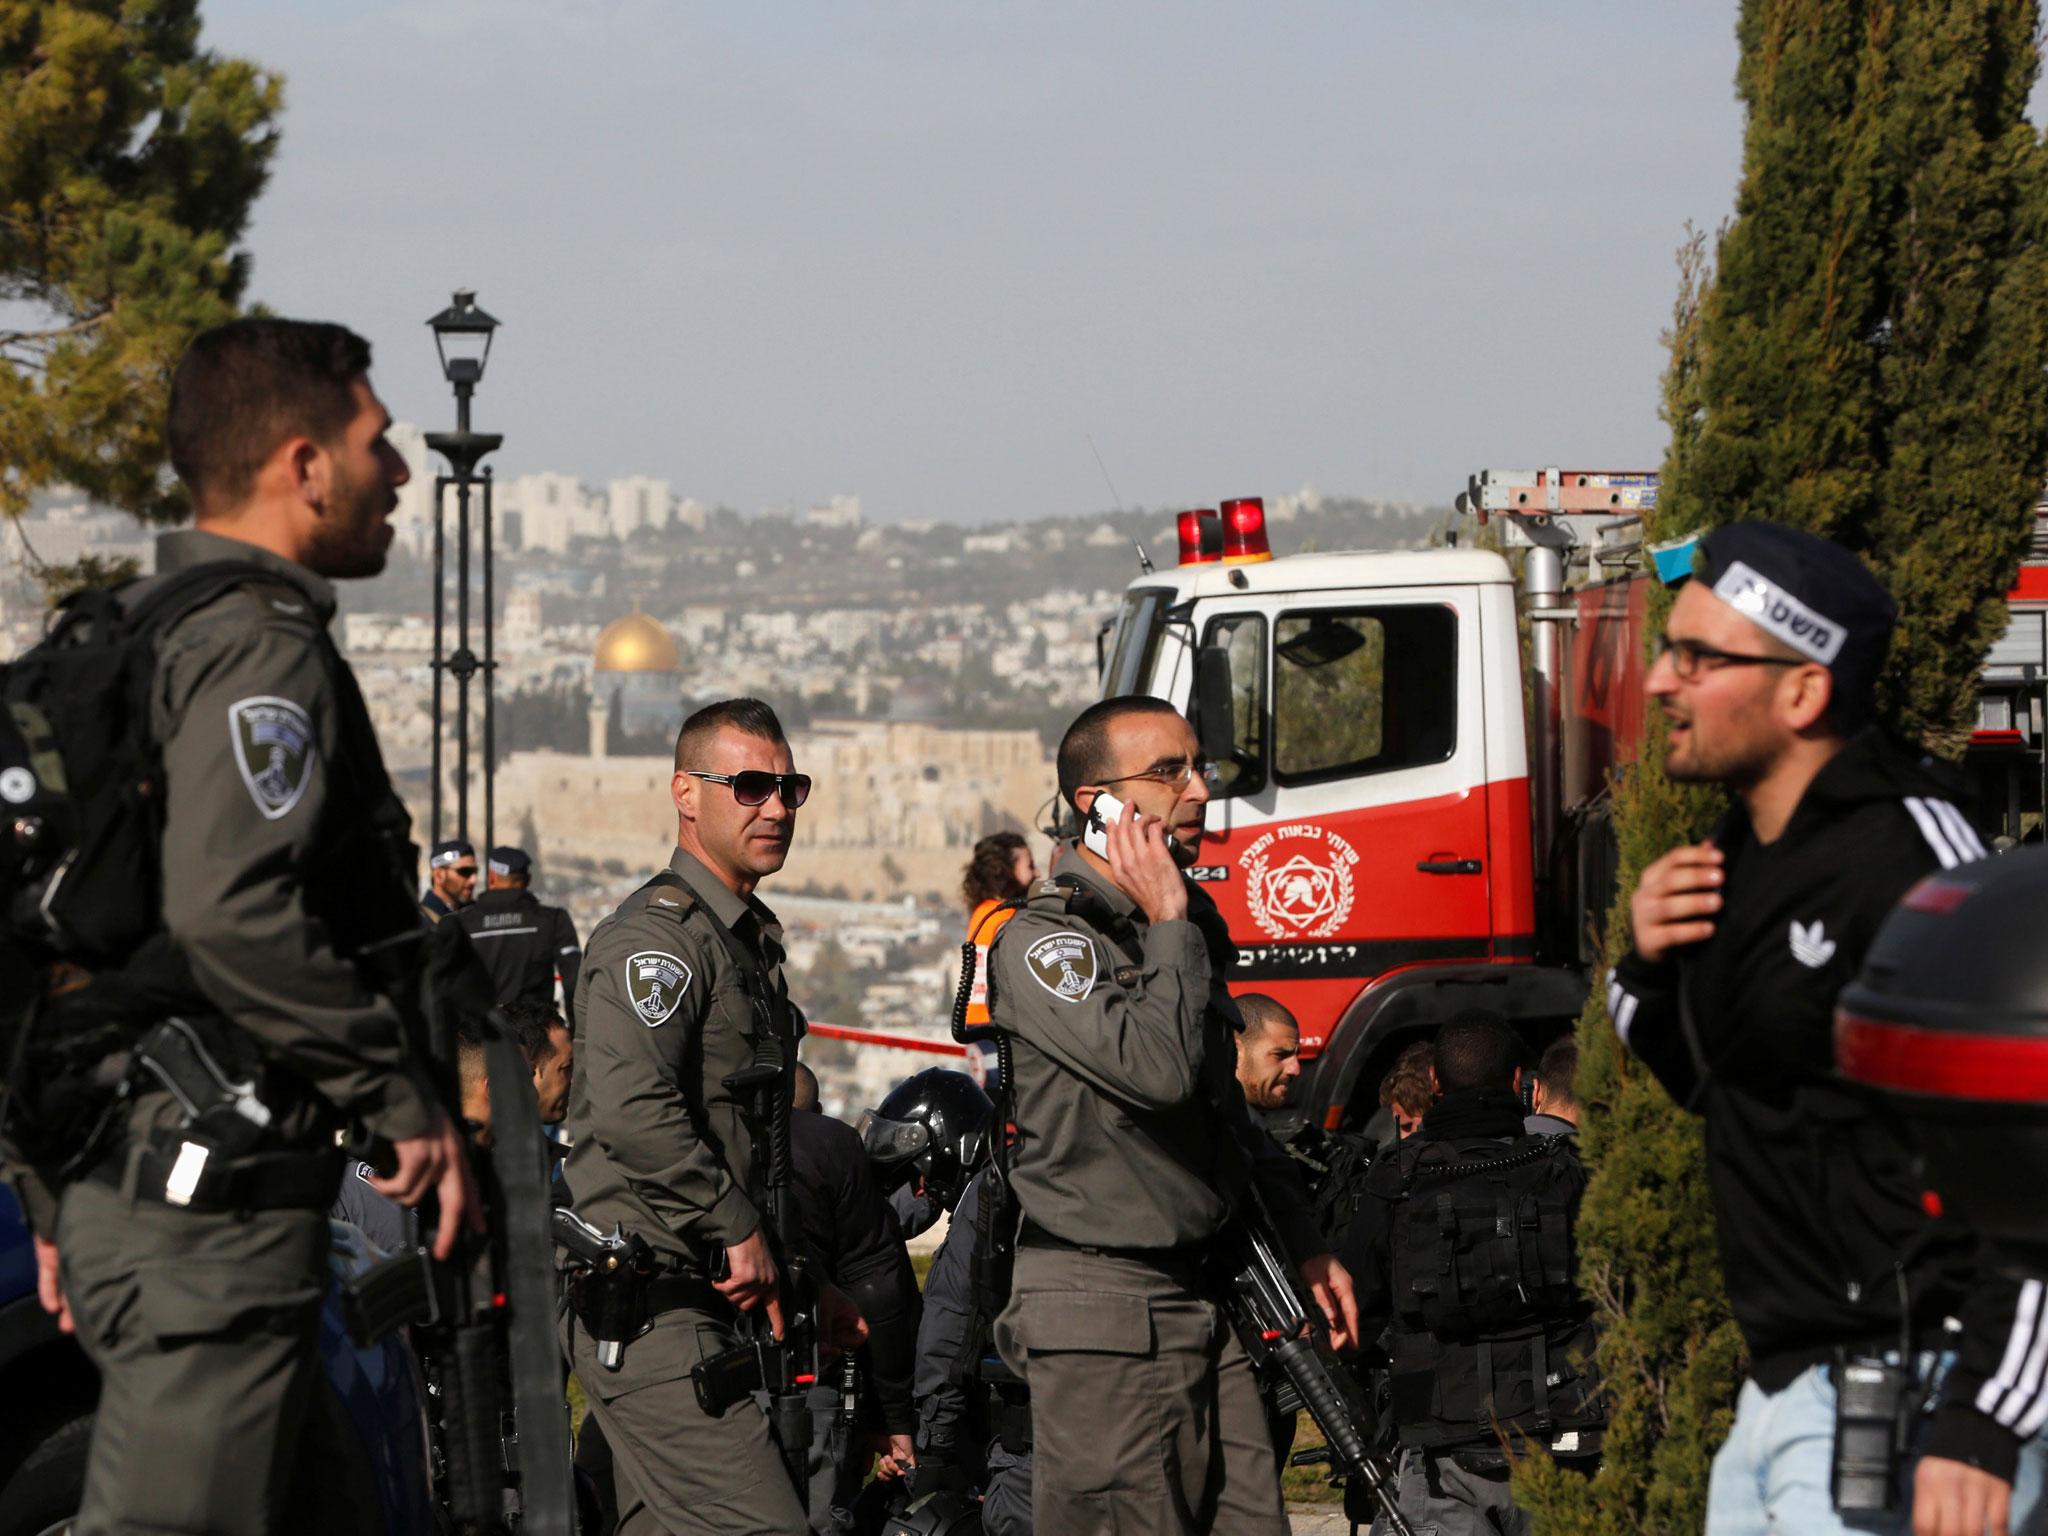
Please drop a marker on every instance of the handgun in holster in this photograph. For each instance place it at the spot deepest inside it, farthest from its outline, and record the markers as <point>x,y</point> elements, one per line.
<point>215,1156</point>
<point>608,1279</point>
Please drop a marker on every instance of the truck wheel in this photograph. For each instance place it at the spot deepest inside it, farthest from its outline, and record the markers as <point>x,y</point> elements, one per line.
<point>43,1496</point>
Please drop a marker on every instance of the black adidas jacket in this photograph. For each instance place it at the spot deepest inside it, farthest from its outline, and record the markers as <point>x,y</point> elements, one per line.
<point>1815,1192</point>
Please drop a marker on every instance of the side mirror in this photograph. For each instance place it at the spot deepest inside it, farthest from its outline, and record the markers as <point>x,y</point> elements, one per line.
<point>1213,718</point>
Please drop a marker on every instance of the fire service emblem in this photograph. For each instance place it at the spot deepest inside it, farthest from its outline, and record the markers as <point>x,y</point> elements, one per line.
<point>1298,881</point>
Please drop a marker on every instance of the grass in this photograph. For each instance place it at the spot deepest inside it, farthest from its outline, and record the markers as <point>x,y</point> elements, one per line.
<point>1308,1485</point>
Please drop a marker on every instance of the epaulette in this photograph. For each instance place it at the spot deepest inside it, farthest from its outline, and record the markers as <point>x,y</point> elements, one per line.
<point>668,892</point>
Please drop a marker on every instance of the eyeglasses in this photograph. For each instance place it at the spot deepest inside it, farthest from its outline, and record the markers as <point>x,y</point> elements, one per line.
<point>1173,775</point>
<point>1689,658</point>
<point>464,874</point>
<point>755,785</point>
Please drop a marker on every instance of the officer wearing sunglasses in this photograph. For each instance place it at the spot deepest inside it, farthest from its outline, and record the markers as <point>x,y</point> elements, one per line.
<point>677,987</point>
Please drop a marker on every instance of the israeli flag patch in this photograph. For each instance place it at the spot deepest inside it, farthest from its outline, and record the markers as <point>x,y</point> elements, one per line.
<point>275,751</point>
<point>656,982</point>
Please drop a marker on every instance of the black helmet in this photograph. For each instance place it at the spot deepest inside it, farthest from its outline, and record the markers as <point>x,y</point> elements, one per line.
<point>936,1124</point>
<point>949,1512</point>
<point>1949,1023</point>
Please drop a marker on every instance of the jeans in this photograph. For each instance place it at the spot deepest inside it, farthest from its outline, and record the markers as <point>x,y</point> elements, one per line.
<point>1772,1477</point>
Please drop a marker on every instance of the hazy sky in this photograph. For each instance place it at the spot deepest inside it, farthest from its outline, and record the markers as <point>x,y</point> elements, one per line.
<point>919,252</point>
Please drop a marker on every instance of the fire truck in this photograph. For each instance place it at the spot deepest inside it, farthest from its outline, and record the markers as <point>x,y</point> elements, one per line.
<point>1416,752</point>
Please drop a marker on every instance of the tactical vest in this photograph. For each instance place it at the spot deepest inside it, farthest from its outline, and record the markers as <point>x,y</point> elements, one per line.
<point>1334,1165</point>
<point>1489,1330</point>
<point>84,989</point>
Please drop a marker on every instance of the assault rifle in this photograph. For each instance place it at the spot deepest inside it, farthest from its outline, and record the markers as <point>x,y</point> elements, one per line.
<point>788,1366</point>
<point>1267,1312</point>
<point>484,1321</point>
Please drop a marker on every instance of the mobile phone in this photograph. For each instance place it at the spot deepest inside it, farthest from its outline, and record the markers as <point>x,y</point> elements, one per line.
<point>1104,809</point>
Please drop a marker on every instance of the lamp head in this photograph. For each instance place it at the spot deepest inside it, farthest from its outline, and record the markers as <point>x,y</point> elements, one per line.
<point>462,336</point>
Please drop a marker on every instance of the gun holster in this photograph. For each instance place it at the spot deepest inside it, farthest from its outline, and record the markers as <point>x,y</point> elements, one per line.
<point>613,1308</point>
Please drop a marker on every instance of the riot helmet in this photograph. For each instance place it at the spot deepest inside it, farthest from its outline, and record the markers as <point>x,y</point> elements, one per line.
<point>935,1125</point>
<point>1948,1024</point>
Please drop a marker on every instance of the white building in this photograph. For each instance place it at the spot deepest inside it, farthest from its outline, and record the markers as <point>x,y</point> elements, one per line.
<point>66,535</point>
<point>839,512</point>
<point>521,630</point>
<point>553,509</point>
<point>637,502</point>
<point>413,522</point>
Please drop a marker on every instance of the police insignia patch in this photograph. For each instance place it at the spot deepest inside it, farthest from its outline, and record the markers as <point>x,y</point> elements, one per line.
<point>1063,964</point>
<point>656,981</point>
<point>275,750</point>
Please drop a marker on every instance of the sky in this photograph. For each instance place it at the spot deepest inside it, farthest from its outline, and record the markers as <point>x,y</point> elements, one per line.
<point>924,252</point>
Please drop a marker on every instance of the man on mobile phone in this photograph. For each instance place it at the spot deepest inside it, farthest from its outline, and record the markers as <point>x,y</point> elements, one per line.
<point>1742,943</point>
<point>1132,1148</point>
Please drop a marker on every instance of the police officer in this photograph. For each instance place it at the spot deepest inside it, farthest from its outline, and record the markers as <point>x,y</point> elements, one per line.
<point>1491,1341</point>
<point>1767,680</point>
<point>451,879</point>
<point>522,943</point>
<point>681,988</point>
<point>191,1271</point>
<point>847,1228</point>
<point>930,1136</point>
<point>1133,1146</point>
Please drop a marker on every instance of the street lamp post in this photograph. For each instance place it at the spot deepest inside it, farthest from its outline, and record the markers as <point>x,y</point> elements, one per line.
<point>462,337</point>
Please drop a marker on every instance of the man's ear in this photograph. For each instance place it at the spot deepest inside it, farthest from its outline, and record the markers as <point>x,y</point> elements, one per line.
<point>1085,797</point>
<point>1436,1089</point>
<point>1805,695</point>
<point>310,469</point>
<point>682,790</point>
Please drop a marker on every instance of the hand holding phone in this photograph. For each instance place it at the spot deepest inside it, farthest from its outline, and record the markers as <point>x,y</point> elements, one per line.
<point>1140,859</point>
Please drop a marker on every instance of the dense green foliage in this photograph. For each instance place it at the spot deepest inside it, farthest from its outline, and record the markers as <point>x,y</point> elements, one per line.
<point>1865,360</point>
<point>129,160</point>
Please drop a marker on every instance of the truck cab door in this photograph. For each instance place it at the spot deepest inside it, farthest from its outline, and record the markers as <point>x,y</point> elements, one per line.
<point>1349,829</point>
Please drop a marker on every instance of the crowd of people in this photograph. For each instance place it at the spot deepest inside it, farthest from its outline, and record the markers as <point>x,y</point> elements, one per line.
<point>1074,1362</point>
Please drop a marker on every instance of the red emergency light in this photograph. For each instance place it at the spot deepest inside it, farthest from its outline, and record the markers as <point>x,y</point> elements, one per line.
<point>1244,531</point>
<point>1201,537</point>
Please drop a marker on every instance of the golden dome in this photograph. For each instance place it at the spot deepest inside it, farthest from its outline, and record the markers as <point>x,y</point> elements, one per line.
<point>636,643</point>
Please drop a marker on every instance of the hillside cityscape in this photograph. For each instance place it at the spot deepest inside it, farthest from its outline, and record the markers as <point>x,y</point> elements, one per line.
<point>924,671</point>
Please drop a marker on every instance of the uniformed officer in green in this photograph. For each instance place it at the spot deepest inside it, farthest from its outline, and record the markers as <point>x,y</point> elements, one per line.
<point>1133,1147</point>
<point>664,1150</point>
<point>194,1279</point>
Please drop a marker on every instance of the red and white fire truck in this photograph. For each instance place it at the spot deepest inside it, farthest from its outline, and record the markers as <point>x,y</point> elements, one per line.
<point>1416,750</point>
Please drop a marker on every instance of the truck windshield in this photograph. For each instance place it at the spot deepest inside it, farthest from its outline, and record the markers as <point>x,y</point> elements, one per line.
<point>1140,628</point>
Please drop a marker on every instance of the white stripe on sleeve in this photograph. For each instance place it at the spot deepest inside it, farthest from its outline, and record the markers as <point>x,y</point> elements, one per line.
<point>1930,829</point>
<point>1625,1016</point>
<point>1959,830</point>
<point>2026,1316</point>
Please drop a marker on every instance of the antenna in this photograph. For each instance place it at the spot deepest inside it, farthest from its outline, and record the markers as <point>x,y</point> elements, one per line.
<point>1144,560</point>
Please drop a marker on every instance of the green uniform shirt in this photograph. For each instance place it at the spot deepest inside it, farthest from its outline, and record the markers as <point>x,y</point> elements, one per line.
<point>662,1148</point>
<point>1132,1125</point>
<point>250,721</point>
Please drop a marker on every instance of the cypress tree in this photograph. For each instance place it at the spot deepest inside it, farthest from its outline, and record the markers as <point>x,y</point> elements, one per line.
<point>130,158</point>
<point>1865,360</point>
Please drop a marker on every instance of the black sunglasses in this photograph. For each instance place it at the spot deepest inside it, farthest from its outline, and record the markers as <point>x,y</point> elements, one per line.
<point>468,873</point>
<point>755,785</point>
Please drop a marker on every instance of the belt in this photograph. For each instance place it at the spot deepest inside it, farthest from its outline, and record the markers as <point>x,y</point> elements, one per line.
<point>672,1291</point>
<point>187,1175</point>
<point>1189,1255</point>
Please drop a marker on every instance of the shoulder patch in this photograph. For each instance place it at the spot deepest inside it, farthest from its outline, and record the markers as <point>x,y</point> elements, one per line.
<point>275,750</point>
<point>1064,964</point>
<point>656,981</point>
